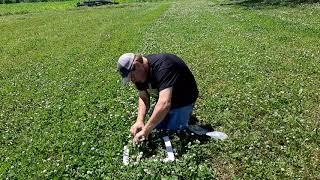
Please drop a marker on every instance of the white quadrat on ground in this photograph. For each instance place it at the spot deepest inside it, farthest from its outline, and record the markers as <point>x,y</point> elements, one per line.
<point>169,150</point>
<point>170,155</point>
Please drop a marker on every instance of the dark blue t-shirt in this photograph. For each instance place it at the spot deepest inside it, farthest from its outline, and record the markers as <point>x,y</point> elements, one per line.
<point>168,70</point>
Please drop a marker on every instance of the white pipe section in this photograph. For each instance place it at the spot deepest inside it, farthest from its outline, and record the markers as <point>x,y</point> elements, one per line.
<point>169,149</point>
<point>125,155</point>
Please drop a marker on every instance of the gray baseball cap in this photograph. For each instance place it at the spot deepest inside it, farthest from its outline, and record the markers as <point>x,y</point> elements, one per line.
<point>125,63</point>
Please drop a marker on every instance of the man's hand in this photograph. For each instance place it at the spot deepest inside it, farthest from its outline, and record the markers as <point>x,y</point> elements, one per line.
<point>141,136</point>
<point>136,127</point>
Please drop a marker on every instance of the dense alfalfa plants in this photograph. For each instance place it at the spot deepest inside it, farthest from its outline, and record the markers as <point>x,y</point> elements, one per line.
<point>148,157</point>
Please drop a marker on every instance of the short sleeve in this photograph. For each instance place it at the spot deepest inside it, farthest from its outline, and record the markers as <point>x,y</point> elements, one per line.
<point>167,78</point>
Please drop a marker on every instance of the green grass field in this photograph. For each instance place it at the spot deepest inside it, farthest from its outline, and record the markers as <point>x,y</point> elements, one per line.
<point>65,114</point>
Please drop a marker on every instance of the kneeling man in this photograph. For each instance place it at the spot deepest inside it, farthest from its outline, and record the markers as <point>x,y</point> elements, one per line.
<point>169,78</point>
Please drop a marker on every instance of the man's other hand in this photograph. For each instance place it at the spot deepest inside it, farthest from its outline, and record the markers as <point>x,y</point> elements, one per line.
<point>136,127</point>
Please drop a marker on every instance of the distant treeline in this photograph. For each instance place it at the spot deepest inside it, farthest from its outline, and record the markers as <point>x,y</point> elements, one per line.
<point>19,1</point>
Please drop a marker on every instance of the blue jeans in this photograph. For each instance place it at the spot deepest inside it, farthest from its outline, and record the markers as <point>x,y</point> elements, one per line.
<point>177,118</point>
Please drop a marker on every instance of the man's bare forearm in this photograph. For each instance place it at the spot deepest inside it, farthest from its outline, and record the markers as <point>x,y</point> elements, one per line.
<point>159,113</point>
<point>161,110</point>
<point>143,106</point>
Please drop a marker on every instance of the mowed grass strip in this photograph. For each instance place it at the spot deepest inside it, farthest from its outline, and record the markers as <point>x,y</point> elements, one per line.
<point>60,113</point>
<point>66,114</point>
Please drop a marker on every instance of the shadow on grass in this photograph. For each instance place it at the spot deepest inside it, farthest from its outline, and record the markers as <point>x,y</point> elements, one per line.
<point>260,4</point>
<point>181,140</point>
